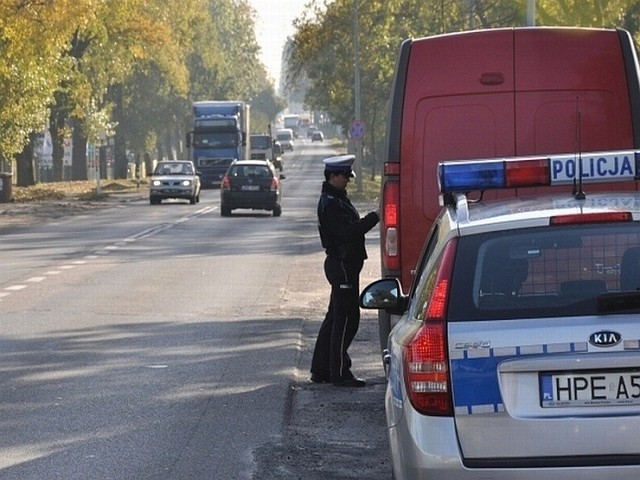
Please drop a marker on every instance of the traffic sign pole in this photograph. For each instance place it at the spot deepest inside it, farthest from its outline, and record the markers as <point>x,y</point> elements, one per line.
<point>357,130</point>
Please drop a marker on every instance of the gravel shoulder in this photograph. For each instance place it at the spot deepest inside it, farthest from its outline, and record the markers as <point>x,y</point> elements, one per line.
<point>331,432</point>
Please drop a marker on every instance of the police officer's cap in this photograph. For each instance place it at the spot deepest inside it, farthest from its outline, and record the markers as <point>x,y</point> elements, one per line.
<point>340,163</point>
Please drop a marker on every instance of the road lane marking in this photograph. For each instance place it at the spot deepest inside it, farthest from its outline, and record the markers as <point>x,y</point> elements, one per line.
<point>106,250</point>
<point>35,279</point>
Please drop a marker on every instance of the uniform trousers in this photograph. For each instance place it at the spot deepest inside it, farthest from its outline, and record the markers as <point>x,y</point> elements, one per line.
<point>330,358</point>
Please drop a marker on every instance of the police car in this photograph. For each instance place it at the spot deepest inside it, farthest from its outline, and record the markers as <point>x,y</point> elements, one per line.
<point>518,352</point>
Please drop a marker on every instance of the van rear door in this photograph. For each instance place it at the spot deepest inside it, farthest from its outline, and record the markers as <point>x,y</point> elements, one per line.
<point>562,113</point>
<point>458,104</point>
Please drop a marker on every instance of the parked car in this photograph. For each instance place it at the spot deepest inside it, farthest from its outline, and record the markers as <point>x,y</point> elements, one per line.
<point>251,184</point>
<point>317,136</point>
<point>174,179</point>
<point>517,354</point>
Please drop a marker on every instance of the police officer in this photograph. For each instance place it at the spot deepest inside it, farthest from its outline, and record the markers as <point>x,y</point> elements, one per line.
<point>342,234</point>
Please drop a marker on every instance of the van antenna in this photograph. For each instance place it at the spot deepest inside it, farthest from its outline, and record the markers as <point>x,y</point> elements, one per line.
<point>578,193</point>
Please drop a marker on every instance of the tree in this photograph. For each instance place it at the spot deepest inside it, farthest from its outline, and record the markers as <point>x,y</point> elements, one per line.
<point>264,108</point>
<point>321,55</point>
<point>33,34</point>
<point>156,85</point>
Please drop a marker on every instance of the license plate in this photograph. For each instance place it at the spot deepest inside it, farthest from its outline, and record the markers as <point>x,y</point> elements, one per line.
<point>250,188</point>
<point>590,388</point>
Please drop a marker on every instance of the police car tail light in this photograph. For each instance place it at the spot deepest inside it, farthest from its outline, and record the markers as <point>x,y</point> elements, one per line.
<point>564,169</point>
<point>274,184</point>
<point>226,183</point>
<point>426,362</point>
<point>390,213</point>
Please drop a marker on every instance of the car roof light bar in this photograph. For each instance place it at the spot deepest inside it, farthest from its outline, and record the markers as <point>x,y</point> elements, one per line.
<point>491,173</point>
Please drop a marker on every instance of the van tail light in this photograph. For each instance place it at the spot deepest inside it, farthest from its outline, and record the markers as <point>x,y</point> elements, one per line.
<point>226,183</point>
<point>426,361</point>
<point>390,225</point>
<point>274,184</point>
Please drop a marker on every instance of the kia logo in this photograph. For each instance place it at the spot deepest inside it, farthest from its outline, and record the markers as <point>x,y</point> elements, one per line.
<point>605,338</point>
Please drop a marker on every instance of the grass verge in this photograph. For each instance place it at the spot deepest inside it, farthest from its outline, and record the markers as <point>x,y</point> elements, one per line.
<point>78,190</point>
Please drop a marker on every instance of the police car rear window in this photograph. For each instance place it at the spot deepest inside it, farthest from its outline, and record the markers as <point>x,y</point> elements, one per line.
<point>543,272</point>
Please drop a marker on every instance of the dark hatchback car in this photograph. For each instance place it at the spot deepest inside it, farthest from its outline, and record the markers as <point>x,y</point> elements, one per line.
<point>251,184</point>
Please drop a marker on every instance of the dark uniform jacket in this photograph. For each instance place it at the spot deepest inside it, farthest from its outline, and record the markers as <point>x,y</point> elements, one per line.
<point>341,228</point>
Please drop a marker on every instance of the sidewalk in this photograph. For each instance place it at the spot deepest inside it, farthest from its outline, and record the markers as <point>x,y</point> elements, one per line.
<point>332,432</point>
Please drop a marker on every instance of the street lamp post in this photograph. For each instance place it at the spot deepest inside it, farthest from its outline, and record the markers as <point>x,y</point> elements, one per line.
<point>531,13</point>
<point>356,50</point>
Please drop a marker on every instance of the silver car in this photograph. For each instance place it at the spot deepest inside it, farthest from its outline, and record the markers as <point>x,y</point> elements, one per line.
<point>517,355</point>
<point>174,179</point>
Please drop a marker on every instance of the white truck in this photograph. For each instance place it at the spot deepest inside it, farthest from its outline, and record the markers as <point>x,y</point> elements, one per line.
<point>292,122</point>
<point>265,147</point>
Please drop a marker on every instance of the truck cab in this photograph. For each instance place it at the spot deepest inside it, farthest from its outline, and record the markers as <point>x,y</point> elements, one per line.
<point>219,136</point>
<point>264,147</point>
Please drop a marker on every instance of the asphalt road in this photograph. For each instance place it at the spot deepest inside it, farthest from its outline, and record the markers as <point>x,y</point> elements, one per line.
<point>167,342</point>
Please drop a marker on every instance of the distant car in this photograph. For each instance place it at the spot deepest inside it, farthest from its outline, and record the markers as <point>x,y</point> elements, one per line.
<point>317,136</point>
<point>310,130</point>
<point>518,351</point>
<point>285,137</point>
<point>251,184</point>
<point>278,160</point>
<point>174,179</point>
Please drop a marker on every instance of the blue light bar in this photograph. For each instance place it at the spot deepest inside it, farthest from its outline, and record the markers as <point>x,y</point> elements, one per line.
<point>472,175</point>
<point>491,173</point>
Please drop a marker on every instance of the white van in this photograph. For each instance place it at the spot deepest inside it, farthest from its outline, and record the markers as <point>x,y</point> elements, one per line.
<point>285,137</point>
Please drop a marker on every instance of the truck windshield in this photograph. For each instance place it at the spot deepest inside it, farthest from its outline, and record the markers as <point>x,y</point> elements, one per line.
<point>261,142</point>
<point>215,140</point>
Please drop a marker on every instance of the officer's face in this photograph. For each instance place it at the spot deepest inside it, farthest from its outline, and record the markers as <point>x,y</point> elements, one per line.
<point>341,179</point>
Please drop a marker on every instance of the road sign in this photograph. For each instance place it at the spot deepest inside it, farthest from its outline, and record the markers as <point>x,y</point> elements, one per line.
<point>357,129</point>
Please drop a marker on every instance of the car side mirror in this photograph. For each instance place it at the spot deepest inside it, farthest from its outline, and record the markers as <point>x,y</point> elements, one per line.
<point>385,294</point>
<point>282,177</point>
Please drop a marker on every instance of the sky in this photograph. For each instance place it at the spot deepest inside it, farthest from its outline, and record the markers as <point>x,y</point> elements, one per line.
<point>273,26</point>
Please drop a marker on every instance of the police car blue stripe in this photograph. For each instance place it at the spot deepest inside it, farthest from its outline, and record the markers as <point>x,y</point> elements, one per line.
<point>475,378</point>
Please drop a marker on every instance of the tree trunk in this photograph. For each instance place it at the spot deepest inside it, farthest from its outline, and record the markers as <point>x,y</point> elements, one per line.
<point>25,164</point>
<point>120,161</point>
<point>148,165</point>
<point>79,152</point>
<point>57,120</point>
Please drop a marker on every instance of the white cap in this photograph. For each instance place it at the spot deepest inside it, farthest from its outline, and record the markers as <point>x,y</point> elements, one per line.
<point>340,163</point>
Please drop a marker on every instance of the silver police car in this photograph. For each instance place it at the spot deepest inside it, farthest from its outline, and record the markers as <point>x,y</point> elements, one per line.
<point>518,352</point>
